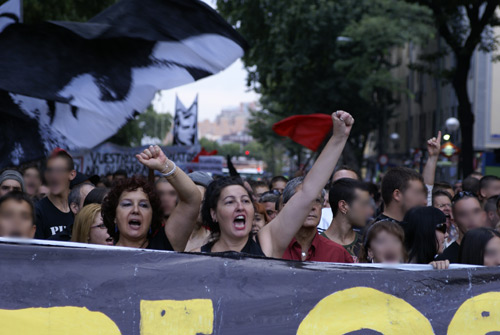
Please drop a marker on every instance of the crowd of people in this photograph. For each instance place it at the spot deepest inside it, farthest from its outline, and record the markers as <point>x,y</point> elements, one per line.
<point>327,215</point>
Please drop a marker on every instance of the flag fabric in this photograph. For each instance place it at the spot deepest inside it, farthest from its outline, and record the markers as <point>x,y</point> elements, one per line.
<point>73,85</point>
<point>10,12</point>
<point>186,123</point>
<point>307,130</point>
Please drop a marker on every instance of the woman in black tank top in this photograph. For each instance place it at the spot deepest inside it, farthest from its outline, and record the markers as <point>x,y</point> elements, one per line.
<point>228,209</point>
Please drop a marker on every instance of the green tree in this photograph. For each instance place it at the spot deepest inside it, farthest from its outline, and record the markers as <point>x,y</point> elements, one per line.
<point>149,123</point>
<point>36,11</point>
<point>465,26</point>
<point>317,56</point>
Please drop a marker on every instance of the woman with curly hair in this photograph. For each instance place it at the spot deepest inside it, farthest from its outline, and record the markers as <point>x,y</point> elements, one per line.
<point>132,210</point>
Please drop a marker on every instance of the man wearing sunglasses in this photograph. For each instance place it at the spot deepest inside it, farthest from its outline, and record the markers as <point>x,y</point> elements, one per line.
<point>468,214</point>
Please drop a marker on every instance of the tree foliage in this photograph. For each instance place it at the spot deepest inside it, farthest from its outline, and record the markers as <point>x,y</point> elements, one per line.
<point>317,56</point>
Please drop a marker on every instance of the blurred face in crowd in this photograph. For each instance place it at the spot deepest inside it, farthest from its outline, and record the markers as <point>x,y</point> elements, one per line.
<point>492,252</point>
<point>344,174</point>
<point>314,216</point>
<point>415,195</point>
<point>32,181</point>
<point>43,191</point>
<point>58,175</point>
<point>386,248</point>
<point>360,209</point>
<point>9,185</point>
<point>270,210</point>
<point>493,189</point>
<point>279,186</point>
<point>258,222</point>
<point>259,190</point>
<point>168,197</point>
<point>468,214</point>
<point>134,215</point>
<point>84,191</point>
<point>16,219</point>
<point>443,203</point>
<point>234,212</point>
<point>441,236</point>
<point>99,233</point>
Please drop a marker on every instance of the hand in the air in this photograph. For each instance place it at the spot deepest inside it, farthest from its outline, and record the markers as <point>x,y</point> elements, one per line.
<point>153,158</point>
<point>342,123</point>
<point>434,145</point>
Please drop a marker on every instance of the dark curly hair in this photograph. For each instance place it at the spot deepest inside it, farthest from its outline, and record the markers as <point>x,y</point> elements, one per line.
<point>212,195</point>
<point>110,203</point>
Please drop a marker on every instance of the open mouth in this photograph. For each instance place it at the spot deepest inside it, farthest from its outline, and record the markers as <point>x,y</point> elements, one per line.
<point>239,222</point>
<point>134,224</point>
<point>109,241</point>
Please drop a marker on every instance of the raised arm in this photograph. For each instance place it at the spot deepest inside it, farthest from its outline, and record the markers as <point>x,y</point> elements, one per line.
<point>429,173</point>
<point>181,222</point>
<point>275,236</point>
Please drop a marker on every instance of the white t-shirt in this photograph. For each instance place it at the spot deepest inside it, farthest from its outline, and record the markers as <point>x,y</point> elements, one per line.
<point>326,219</point>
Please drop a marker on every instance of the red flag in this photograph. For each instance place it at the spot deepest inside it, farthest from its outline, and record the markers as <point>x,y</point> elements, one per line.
<point>307,130</point>
<point>203,152</point>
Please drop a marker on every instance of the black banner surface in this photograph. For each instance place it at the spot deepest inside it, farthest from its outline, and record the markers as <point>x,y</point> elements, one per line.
<point>64,290</point>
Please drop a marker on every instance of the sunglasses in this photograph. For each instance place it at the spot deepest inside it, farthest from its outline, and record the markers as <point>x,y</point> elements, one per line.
<point>463,194</point>
<point>441,227</point>
<point>273,192</point>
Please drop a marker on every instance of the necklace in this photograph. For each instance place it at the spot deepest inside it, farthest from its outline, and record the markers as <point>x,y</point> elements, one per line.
<point>304,254</point>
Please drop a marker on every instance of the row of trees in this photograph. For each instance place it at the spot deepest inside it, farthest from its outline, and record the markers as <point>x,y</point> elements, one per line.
<point>310,56</point>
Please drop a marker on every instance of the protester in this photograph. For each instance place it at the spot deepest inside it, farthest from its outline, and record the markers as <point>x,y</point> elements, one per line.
<point>326,213</point>
<point>471,184</point>
<point>383,243</point>
<point>118,175</point>
<point>77,196</point>
<point>53,213</point>
<point>43,191</point>
<point>442,200</point>
<point>425,233</point>
<point>351,206</point>
<point>96,196</point>
<point>270,200</point>
<point>11,180</point>
<point>32,180</point>
<point>489,186</point>
<point>259,188</point>
<point>228,209</point>
<point>480,246</point>
<point>307,245</point>
<point>468,214</point>
<point>442,186</point>
<point>490,208</point>
<point>90,228</point>
<point>278,183</point>
<point>402,189</point>
<point>260,218</point>
<point>17,215</point>
<point>168,196</point>
<point>200,235</point>
<point>132,210</point>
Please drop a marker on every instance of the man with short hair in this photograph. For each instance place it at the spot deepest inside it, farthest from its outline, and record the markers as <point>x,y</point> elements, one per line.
<point>17,215</point>
<point>350,204</point>
<point>278,183</point>
<point>308,245</point>
<point>271,203</point>
<point>168,196</point>
<point>471,184</point>
<point>259,188</point>
<point>53,214</point>
<point>11,180</point>
<point>489,186</point>
<point>490,208</point>
<point>402,189</point>
<point>468,214</point>
<point>77,196</point>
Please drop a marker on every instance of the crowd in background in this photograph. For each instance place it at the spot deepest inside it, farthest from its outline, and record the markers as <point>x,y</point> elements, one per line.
<point>327,215</point>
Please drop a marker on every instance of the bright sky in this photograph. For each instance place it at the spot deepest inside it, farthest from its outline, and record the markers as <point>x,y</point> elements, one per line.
<point>225,89</point>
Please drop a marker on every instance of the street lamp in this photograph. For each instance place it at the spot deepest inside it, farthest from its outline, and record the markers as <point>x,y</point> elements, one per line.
<point>452,124</point>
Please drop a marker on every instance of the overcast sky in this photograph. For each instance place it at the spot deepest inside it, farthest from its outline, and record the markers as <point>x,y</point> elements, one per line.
<point>225,89</point>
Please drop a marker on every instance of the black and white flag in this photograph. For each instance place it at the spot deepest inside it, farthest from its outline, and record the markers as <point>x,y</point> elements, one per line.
<point>73,84</point>
<point>186,123</point>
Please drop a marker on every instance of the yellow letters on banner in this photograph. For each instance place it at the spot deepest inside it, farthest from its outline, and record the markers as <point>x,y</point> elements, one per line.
<point>172,317</point>
<point>477,315</point>
<point>56,321</point>
<point>364,308</point>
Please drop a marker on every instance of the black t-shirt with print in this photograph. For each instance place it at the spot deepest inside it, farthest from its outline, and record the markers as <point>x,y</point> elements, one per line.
<point>50,220</point>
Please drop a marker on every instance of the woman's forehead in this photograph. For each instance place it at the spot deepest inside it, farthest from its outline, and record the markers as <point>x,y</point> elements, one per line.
<point>234,190</point>
<point>135,194</point>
